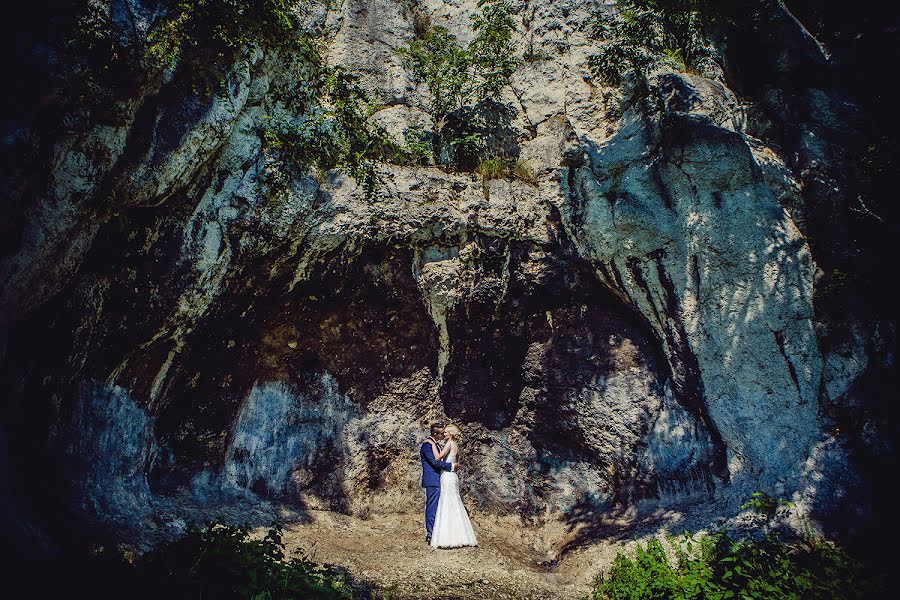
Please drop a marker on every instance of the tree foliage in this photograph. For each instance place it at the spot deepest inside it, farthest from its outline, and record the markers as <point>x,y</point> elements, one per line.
<point>194,27</point>
<point>459,77</point>
<point>438,61</point>
<point>331,126</point>
<point>493,55</point>
<point>641,34</point>
<point>334,132</point>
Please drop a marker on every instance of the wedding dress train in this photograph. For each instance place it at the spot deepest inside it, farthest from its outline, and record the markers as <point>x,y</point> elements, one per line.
<point>452,527</point>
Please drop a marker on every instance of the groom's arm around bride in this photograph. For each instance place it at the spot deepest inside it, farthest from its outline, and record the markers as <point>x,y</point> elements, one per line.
<point>427,453</point>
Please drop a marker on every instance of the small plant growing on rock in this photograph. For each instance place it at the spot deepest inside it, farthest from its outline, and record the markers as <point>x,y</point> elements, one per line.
<point>764,503</point>
<point>458,77</point>
<point>497,168</point>
<point>641,34</point>
<point>417,147</point>
<point>492,168</point>
<point>673,58</point>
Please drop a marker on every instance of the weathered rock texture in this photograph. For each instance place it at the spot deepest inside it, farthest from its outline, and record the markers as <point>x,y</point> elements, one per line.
<point>635,332</point>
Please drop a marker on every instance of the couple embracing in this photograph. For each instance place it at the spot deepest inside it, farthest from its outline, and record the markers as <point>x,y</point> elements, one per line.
<point>447,523</point>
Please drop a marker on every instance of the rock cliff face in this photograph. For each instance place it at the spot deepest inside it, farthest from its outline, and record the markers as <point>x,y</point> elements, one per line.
<point>634,333</point>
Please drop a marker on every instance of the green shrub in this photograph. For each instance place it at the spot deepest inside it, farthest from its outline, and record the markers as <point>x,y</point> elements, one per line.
<point>437,60</point>
<point>641,34</point>
<point>718,566</point>
<point>467,143</point>
<point>493,55</point>
<point>417,147</point>
<point>457,77</point>
<point>673,58</point>
<point>219,26</point>
<point>165,43</point>
<point>221,561</point>
<point>764,503</point>
<point>624,47</point>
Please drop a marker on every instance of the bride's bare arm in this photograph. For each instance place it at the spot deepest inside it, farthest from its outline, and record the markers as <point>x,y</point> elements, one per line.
<point>440,455</point>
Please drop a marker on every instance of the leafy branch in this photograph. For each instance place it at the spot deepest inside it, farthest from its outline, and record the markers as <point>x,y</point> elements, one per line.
<point>193,27</point>
<point>641,34</point>
<point>458,77</point>
<point>335,132</point>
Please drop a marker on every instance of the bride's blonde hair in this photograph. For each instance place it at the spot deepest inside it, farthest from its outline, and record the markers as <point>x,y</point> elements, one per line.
<point>453,430</point>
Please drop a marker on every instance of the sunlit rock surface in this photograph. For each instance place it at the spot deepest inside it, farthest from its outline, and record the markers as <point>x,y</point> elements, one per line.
<point>634,334</point>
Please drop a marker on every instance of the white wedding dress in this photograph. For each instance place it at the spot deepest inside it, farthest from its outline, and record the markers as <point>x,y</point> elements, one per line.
<point>452,527</point>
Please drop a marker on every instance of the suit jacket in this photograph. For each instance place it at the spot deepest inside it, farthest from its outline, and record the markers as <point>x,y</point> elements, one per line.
<point>431,467</point>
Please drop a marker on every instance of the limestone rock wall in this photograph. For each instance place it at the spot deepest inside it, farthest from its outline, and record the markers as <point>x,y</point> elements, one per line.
<point>635,332</point>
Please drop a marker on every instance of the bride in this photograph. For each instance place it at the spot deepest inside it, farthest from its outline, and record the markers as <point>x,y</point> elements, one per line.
<point>452,527</point>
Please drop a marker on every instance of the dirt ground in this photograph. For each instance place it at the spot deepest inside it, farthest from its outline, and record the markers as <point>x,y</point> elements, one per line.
<point>390,553</point>
<point>385,550</point>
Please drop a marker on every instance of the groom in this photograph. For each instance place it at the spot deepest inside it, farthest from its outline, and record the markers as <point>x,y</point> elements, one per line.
<point>431,476</point>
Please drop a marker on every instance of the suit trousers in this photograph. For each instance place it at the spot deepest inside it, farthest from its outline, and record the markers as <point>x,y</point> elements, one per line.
<point>432,494</point>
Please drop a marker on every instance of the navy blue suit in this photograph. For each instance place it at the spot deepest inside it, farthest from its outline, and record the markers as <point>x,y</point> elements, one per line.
<point>431,481</point>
